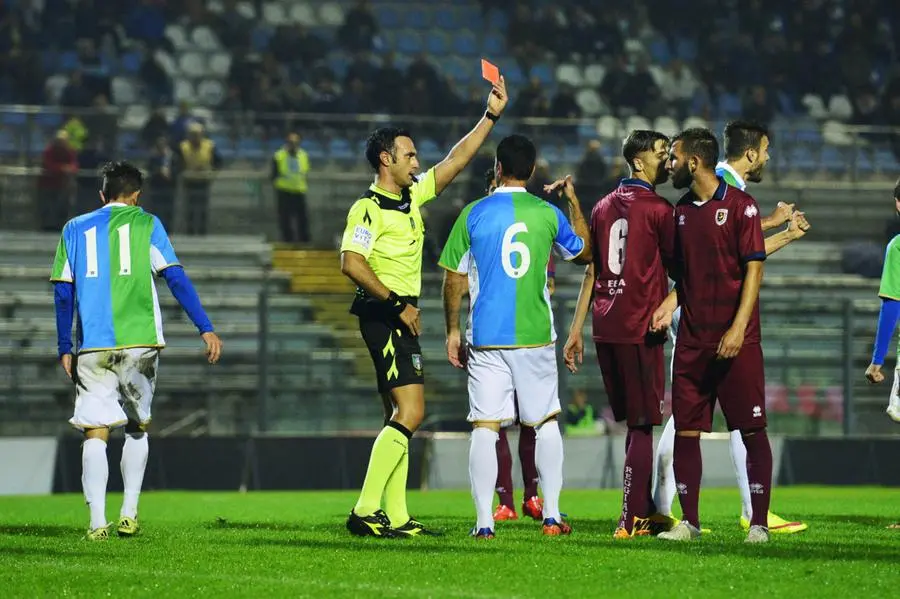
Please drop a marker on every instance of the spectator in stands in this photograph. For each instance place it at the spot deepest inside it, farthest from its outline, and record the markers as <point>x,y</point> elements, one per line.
<point>679,87</point>
<point>57,182</point>
<point>642,92</point>
<point>759,106</point>
<point>76,132</point>
<point>90,159</point>
<point>356,98</point>
<point>156,126</point>
<point>96,74</point>
<point>564,106</point>
<point>102,122</point>
<point>182,122</point>
<point>161,171</point>
<point>231,26</point>
<point>290,167</point>
<point>591,177</point>
<point>539,179</point>
<point>156,81</point>
<point>295,44</point>
<point>531,99</point>
<point>580,418</point>
<point>390,78</point>
<point>359,28</point>
<point>617,85</point>
<point>199,159</point>
<point>75,94</point>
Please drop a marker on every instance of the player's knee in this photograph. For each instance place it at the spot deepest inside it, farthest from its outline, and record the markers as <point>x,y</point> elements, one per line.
<point>134,429</point>
<point>101,433</point>
<point>752,431</point>
<point>687,433</point>
<point>494,426</point>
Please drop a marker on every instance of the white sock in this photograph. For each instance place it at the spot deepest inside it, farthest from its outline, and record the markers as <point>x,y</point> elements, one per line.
<point>94,475</point>
<point>134,463</point>
<point>548,457</point>
<point>664,470</point>
<point>483,474</point>
<point>895,390</point>
<point>739,458</point>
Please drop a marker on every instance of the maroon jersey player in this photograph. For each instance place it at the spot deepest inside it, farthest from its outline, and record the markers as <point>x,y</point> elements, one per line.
<point>719,251</point>
<point>633,233</point>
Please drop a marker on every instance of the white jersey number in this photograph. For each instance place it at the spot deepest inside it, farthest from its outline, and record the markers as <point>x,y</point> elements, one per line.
<point>90,242</point>
<point>615,258</point>
<point>511,247</point>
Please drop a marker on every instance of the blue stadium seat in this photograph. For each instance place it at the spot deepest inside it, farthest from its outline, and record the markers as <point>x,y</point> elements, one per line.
<point>865,165</point>
<point>409,42</point>
<point>68,61</point>
<point>833,159</point>
<point>498,20</point>
<point>131,62</point>
<point>587,130</point>
<point>221,141</point>
<point>660,52</point>
<point>250,148</point>
<point>50,60</point>
<point>429,151</point>
<point>729,105</point>
<point>465,44</point>
<point>338,64</point>
<point>437,44</point>
<point>49,120</point>
<point>551,154</point>
<point>493,46</point>
<point>416,18</point>
<point>314,149</point>
<point>129,139</point>
<point>37,140</point>
<point>14,119</point>
<point>447,19</point>
<point>885,160</point>
<point>339,149</point>
<point>260,37</point>
<point>389,17</point>
<point>544,73</point>
<point>801,159</point>
<point>686,50</point>
<point>513,74</point>
<point>573,153</point>
<point>457,70</point>
<point>8,145</point>
<point>469,15</point>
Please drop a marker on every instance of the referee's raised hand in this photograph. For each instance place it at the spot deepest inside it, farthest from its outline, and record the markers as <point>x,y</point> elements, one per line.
<point>497,99</point>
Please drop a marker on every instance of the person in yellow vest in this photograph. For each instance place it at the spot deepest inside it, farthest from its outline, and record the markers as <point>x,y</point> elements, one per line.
<point>199,158</point>
<point>290,166</point>
<point>580,418</point>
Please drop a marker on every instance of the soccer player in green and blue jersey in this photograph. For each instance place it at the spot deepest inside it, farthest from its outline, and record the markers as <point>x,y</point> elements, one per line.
<point>498,252</point>
<point>103,273</point>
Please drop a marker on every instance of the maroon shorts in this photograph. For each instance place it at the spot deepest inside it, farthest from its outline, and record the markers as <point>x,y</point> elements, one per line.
<point>635,379</point>
<point>699,378</point>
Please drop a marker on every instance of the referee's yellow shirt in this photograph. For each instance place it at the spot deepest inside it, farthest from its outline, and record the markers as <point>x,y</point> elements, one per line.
<point>387,229</point>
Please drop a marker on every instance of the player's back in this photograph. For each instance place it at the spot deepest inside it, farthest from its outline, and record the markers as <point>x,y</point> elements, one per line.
<point>511,234</point>
<point>111,255</point>
<point>633,230</point>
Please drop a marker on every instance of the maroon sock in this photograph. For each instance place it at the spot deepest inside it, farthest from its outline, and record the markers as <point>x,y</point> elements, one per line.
<point>688,464</point>
<point>637,475</point>
<point>759,475</point>
<point>527,440</point>
<point>504,471</point>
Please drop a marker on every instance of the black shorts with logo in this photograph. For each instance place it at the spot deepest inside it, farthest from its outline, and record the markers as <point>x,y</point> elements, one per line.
<point>395,351</point>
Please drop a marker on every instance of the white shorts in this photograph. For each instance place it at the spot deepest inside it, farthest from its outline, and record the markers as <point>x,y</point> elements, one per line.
<point>495,375</point>
<point>113,387</point>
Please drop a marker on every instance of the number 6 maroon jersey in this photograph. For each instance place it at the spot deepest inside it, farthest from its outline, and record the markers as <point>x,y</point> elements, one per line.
<point>633,230</point>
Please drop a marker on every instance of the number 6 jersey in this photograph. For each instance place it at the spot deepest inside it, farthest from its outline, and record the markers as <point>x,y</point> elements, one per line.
<point>633,230</point>
<point>111,255</point>
<point>503,243</point>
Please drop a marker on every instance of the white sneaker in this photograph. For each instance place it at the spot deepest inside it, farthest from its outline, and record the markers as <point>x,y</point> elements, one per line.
<point>757,534</point>
<point>893,409</point>
<point>683,531</point>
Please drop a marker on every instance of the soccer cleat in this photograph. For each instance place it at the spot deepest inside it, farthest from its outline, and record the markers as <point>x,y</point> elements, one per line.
<point>552,528</point>
<point>414,528</point>
<point>893,410</point>
<point>661,523</point>
<point>504,512</point>
<point>641,527</point>
<point>128,527</point>
<point>895,526</point>
<point>98,534</point>
<point>534,508</point>
<point>778,525</point>
<point>684,531</point>
<point>757,534</point>
<point>483,533</point>
<point>375,525</point>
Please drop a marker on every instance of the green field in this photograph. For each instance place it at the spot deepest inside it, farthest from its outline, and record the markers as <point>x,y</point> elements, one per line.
<point>295,545</point>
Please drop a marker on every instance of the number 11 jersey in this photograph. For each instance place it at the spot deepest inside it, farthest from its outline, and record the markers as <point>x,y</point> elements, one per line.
<point>633,231</point>
<point>503,243</point>
<point>111,255</point>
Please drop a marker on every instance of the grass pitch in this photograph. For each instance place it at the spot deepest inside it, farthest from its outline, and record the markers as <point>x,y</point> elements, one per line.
<point>295,545</point>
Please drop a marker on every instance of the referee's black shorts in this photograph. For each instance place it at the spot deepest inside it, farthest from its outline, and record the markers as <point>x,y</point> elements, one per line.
<point>395,351</point>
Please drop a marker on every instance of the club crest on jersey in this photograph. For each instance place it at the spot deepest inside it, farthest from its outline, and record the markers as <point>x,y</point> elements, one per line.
<point>417,363</point>
<point>721,216</point>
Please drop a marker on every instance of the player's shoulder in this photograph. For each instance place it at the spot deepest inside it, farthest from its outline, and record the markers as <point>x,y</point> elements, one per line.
<point>894,244</point>
<point>368,200</point>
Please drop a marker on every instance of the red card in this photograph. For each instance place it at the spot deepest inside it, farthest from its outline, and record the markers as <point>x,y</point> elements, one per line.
<point>490,71</point>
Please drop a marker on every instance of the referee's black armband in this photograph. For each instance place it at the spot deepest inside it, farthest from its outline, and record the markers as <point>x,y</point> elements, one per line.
<point>491,116</point>
<point>397,304</point>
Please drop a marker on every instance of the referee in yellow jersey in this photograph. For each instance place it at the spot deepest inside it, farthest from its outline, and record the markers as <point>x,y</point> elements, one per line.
<point>381,252</point>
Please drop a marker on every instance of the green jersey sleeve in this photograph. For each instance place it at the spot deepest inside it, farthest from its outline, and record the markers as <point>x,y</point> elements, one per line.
<point>455,256</point>
<point>364,226</point>
<point>62,268</point>
<point>890,276</point>
<point>424,189</point>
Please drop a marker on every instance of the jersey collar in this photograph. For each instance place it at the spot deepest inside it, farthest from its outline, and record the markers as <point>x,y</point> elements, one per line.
<point>724,166</point>
<point>111,204</point>
<point>721,190</point>
<point>508,189</point>
<point>638,182</point>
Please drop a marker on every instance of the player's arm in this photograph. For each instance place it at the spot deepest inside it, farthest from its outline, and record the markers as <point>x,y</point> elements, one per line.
<point>455,259</point>
<point>573,352</point>
<point>466,148</point>
<point>63,301</point>
<point>889,292</point>
<point>779,216</point>
<point>797,228</point>
<point>573,238</point>
<point>551,277</point>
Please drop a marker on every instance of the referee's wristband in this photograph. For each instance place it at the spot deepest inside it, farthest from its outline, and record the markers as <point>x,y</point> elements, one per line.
<point>491,116</point>
<point>396,303</point>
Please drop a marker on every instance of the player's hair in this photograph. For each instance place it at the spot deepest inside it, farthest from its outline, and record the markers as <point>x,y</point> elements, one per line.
<point>740,136</point>
<point>640,140</point>
<point>699,142</point>
<point>489,179</point>
<point>516,154</point>
<point>120,179</point>
<point>381,140</point>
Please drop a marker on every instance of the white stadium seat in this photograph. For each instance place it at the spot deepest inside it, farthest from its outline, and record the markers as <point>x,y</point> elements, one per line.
<point>274,13</point>
<point>184,90</point>
<point>815,106</point>
<point>124,91</point>
<point>609,127</point>
<point>589,102</point>
<point>331,13</point>
<point>178,36</point>
<point>219,64</point>
<point>167,63</point>
<point>594,74</point>
<point>210,92</point>
<point>571,74</point>
<point>192,64</point>
<point>135,117</point>
<point>695,121</point>
<point>839,108</point>
<point>204,38</point>
<point>666,125</point>
<point>246,10</point>
<point>303,14</point>
<point>637,122</point>
<point>54,87</point>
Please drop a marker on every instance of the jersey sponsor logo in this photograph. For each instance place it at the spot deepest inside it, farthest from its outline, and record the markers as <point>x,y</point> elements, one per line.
<point>757,412</point>
<point>680,219</point>
<point>750,211</point>
<point>757,488</point>
<point>403,207</point>
<point>362,237</point>
<point>721,216</point>
<point>417,362</point>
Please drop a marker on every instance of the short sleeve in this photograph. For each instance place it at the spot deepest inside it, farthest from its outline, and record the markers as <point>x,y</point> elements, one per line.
<point>751,245</point>
<point>363,228</point>
<point>424,189</point>
<point>457,251</point>
<point>890,275</point>
<point>62,266</point>
<point>566,242</point>
<point>162,254</point>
